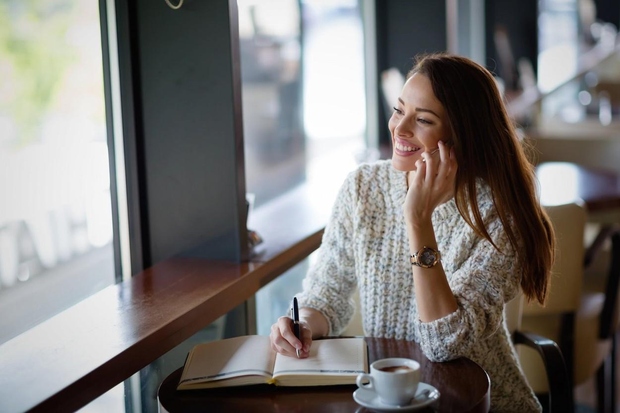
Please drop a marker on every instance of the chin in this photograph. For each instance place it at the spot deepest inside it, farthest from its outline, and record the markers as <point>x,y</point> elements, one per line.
<point>401,165</point>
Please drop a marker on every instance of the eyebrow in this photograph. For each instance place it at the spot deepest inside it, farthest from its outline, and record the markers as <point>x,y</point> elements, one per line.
<point>419,109</point>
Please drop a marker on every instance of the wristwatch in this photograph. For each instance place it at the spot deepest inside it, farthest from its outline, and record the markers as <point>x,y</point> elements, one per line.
<point>426,257</point>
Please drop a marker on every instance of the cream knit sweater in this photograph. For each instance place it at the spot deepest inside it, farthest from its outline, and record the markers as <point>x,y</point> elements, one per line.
<point>365,245</point>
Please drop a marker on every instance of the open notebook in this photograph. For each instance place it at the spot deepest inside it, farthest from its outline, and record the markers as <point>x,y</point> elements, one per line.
<point>249,360</point>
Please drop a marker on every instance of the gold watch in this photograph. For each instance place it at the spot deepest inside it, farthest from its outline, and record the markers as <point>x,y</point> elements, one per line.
<point>426,257</point>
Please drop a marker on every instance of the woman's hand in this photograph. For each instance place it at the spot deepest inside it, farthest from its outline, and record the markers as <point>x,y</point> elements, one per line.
<point>431,184</point>
<point>283,339</point>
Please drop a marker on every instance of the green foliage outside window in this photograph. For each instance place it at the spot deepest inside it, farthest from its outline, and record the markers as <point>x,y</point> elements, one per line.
<point>33,58</point>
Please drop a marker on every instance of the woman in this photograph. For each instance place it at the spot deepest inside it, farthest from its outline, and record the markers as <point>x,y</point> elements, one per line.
<point>438,238</point>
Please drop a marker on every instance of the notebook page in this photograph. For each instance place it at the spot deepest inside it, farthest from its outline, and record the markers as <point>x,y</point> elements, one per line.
<point>238,356</point>
<point>338,356</point>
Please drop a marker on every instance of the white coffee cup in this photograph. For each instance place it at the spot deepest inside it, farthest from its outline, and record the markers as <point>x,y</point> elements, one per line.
<point>395,380</point>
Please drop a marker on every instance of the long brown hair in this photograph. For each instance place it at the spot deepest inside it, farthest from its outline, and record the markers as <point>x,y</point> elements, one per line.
<point>487,146</point>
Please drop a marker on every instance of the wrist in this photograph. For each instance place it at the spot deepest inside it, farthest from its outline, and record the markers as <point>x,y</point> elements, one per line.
<point>421,230</point>
<point>418,218</point>
<point>315,320</point>
<point>418,222</point>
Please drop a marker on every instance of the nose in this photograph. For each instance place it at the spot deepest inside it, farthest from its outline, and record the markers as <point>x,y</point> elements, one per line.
<point>403,127</point>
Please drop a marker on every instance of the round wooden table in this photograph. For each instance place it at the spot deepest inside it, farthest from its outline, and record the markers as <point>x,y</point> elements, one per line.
<point>463,384</point>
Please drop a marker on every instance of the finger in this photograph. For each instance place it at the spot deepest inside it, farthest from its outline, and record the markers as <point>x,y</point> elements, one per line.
<point>428,155</point>
<point>452,161</point>
<point>448,159</point>
<point>286,330</point>
<point>282,337</point>
<point>278,343</point>
<point>283,347</point>
<point>307,337</point>
<point>429,159</point>
<point>307,341</point>
<point>291,349</point>
<point>419,173</point>
<point>443,169</point>
<point>444,153</point>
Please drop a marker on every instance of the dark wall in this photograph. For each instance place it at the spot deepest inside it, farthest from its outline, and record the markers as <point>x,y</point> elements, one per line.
<point>406,28</point>
<point>185,152</point>
<point>608,11</point>
<point>520,19</point>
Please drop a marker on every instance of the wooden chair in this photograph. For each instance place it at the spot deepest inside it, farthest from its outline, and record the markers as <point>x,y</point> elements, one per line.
<point>602,276</point>
<point>580,322</point>
<point>558,396</point>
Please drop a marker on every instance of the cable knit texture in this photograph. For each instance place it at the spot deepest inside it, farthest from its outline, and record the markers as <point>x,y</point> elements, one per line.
<point>365,246</point>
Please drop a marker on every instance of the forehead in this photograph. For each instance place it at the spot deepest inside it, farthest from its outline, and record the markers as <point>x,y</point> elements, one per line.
<point>418,92</point>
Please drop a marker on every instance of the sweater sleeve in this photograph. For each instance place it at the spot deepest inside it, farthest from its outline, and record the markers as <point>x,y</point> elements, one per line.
<point>330,282</point>
<point>486,280</point>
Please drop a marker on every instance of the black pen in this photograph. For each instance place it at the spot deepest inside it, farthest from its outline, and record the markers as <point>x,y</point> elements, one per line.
<point>295,317</point>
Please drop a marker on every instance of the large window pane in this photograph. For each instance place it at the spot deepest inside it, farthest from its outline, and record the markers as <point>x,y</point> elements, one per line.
<point>334,118</point>
<point>55,211</point>
<point>271,79</point>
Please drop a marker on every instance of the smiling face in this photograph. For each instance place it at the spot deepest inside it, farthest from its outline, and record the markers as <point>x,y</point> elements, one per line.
<point>418,123</point>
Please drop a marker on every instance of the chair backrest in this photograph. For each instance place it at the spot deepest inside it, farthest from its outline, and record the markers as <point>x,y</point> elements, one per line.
<point>567,274</point>
<point>555,320</point>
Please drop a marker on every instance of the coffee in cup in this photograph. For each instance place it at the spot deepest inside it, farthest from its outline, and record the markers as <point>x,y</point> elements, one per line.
<point>392,369</point>
<point>395,380</point>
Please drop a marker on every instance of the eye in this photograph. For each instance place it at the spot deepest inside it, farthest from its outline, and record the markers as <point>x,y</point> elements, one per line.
<point>425,121</point>
<point>400,112</point>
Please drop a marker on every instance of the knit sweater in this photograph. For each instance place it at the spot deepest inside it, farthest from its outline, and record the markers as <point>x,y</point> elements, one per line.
<point>365,246</point>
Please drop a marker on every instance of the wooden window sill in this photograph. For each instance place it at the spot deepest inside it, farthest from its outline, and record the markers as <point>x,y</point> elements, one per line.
<point>76,356</point>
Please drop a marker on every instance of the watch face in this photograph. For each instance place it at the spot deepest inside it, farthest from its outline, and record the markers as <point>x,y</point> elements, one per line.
<point>427,257</point>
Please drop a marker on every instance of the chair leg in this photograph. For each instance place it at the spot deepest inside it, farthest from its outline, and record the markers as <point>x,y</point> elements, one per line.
<point>567,343</point>
<point>605,384</point>
<point>600,389</point>
<point>612,373</point>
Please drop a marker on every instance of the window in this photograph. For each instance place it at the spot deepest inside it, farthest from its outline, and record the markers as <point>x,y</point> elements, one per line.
<point>568,31</point>
<point>55,212</point>
<point>271,79</point>
<point>334,118</point>
<point>275,98</point>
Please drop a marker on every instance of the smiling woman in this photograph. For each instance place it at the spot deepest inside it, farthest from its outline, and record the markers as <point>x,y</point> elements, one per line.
<point>437,239</point>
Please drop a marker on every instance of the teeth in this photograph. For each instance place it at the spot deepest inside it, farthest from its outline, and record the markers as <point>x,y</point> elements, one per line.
<point>405,148</point>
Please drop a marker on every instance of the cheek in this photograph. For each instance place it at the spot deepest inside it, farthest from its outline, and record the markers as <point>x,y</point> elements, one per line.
<point>391,125</point>
<point>430,139</point>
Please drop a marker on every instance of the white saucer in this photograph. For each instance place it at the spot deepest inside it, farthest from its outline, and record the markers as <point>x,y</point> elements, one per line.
<point>370,399</point>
